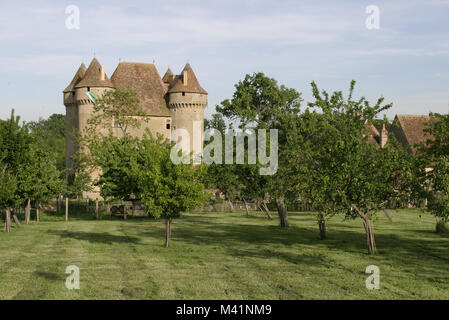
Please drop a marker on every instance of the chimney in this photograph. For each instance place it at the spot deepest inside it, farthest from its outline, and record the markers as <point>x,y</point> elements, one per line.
<point>102,74</point>
<point>383,136</point>
<point>184,78</point>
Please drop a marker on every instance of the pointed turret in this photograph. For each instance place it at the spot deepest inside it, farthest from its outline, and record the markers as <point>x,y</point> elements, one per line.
<point>71,118</point>
<point>187,82</point>
<point>95,76</point>
<point>90,89</point>
<point>168,76</point>
<point>187,101</point>
<point>76,79</point>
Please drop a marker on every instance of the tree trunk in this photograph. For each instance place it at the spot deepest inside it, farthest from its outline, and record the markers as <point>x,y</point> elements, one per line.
<point>167,231</point>
<point>58,203</point>
<point>322,226</point>
<point>371,244</point>
<point>246,207</point>
<point>28,212</point>
<point>388,214</point>
<point>87,205</point>
<point>367,223</point>
<point>7,221</point>
<point>96,209</point>
<point>37,211</point>
<point>264,204</point>
<point>282,212</point>
<point>66,209</point>
<point>440,225</point>
<point>16,220</point>
<point>124,212</point>
<point>231,206</point>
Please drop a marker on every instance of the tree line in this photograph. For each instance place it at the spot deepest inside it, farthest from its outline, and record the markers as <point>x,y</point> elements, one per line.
<point>31,164</point>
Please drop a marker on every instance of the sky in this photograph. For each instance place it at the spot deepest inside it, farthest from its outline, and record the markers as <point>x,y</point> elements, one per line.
<point>405,60</point>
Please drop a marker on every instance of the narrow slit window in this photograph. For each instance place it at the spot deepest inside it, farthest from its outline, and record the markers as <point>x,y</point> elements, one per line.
<point>167,124</point>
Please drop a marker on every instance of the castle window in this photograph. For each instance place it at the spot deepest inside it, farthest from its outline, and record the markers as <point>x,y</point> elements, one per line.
<point>167,124</point>
<point>183,93</point>
<point>88,88</point>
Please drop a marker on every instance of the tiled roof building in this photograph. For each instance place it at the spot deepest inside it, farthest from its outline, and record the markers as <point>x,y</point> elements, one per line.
<point>409,130</point>
<point>171,102</point>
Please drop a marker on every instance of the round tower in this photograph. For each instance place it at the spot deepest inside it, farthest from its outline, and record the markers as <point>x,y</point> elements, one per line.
<point>187,101</point>
<point>71,119</point>
<point>93,85</point>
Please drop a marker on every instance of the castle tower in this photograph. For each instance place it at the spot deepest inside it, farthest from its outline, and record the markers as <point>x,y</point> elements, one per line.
<point>95,82</point>
<point>187,101</point>
<point>71,111</point>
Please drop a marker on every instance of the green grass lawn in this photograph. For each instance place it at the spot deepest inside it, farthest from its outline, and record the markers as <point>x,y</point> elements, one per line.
<point>224,256</point>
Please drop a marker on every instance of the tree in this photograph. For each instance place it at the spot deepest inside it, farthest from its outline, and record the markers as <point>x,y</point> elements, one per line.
<point>120,107</point>
<point>31,164</point>
<point>143,168</point>
<point>39,178</point>
<point>220,175</point>
<point>347,174</point>
<point>434,169</point>
<point>15,141</point>
<point>114,156</point>
<point>8,187</point>
<point>50,135</point>
<point>167,189</point>
<point>438,197</point>
<point>260,103</point>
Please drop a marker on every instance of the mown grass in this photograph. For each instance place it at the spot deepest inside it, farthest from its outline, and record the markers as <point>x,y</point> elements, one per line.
<point>223,256</point>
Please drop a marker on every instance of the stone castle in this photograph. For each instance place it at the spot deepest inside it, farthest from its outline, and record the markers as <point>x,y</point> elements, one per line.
<point>171,102</point>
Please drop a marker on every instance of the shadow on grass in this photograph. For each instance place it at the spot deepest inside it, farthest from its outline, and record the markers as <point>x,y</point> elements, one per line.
<point>95,237</point>
<point>417,249</point>
<point>49,275</point>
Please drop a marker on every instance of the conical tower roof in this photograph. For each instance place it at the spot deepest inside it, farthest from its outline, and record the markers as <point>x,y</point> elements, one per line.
<point>76,79</point>
<point>93,76</point>
<point>192,84</point>
<point>168,76</point>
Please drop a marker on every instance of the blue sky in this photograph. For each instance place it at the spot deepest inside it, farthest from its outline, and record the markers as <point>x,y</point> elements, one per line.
<point>406,60</point>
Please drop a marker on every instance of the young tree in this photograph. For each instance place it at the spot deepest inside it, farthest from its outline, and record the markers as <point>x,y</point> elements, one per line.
<point>114,156</point>
<point>50,135</point>
<point>144,169</point>
<point>167,189</point>
<point>31,164</point>
<point>347,174</point>
<point>220,175</point>
<point>119,107</point>
<point>438,195</point>
<point>8,187</point>
<point>434,169</point>
<point>39,179</point>
<point>260,103</point>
